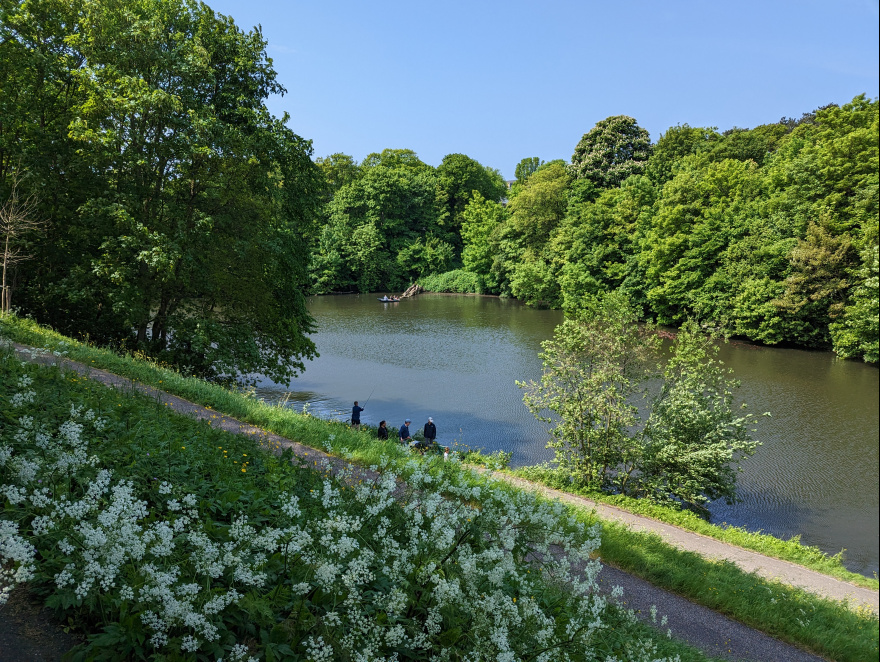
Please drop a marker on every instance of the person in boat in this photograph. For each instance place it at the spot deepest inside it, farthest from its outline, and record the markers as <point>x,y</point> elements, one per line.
<point>356,416</point>
<point>382,432</point>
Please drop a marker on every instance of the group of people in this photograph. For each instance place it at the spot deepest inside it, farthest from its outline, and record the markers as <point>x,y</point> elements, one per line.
<point>403,434</point>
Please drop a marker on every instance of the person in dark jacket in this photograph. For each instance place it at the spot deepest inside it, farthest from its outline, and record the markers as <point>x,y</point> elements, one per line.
<point>405,436</point>
<point>382,432</point>
<point>356,416</point>
<point>430,432</point>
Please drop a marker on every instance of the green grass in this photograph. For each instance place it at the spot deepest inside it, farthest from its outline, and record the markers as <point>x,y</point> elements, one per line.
<point>791,550</point>
<point>825,627</point>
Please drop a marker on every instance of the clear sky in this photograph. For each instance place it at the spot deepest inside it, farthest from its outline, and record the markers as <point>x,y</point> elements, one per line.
<point>501,81</point>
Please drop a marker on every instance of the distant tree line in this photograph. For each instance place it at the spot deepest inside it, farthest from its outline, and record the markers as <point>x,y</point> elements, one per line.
<point>769,233</point>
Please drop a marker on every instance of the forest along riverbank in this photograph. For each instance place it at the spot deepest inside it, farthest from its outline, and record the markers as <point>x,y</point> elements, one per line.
<point>456,358</point>
<point>701,627</point>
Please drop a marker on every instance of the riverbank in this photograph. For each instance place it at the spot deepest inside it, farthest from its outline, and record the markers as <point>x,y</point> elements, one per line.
<point>721,586</point>
<point>178,531</point>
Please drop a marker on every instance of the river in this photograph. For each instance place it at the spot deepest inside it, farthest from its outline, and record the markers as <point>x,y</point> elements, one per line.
<point>457,358</point>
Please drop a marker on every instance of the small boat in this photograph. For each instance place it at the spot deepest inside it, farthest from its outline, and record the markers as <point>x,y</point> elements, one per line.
<point>386,299</point>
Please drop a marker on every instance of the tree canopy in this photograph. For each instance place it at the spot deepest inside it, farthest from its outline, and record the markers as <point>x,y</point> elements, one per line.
<point>177,204</point>
<point>614,149</point>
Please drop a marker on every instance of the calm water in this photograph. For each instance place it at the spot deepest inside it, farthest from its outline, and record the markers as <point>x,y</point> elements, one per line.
<point>456,358</point>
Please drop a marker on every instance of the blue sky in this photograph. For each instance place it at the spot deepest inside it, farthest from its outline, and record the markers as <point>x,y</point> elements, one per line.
<point>500,81</point>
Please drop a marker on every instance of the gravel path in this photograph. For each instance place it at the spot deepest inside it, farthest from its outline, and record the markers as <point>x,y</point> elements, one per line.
<point>701,627</point>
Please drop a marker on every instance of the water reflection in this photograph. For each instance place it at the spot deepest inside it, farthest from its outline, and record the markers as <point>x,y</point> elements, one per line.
<point>457,358</point>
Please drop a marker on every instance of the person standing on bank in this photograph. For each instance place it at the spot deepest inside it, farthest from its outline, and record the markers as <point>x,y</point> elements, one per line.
<point>430,432</point>
<point>405,436</point>
<point>382,432</point>
<point>356,416</point>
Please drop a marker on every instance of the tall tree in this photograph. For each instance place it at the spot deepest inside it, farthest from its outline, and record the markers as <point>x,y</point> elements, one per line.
<point>459,177</point>
<point>614,149</point>
<point>523,264</point>
<point>198,201</point>
<point>395,158</point>
<point>480,220</point>
<point>526,168</point>
<point>672,146</point>
<point>338,170</point>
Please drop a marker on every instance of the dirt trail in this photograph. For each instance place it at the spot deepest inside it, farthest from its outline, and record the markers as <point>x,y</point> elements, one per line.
<point>701,627</point>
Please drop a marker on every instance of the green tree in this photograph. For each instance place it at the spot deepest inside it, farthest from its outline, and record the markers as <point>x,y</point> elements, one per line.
<point>816,286</point>
<point>678,142</point>
<point>526,168</point>
<point>693,440</point>
<point>523,262</point>
<point>425,256</point>
<point>614,149</point>
<point>459,178</point>
<point>395,158</point>
<point>700,213</point>
<point>401,208</point>
<point>856,333</point>
<point>598,239</point>
<point>338,170</point>
<point>682,445</point>
<point>594,368</point>
<point>480,221</point>
<point>748,144</point>
<point>189,224</point>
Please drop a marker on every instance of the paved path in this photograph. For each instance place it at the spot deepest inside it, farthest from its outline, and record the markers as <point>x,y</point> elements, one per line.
<point>701,627</point>
<point>765,566</point>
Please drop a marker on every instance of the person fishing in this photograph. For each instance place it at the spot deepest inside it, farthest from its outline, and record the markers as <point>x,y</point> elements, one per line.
<point>356,416</point>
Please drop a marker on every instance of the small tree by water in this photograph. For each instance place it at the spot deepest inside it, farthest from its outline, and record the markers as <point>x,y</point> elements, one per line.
<point>679,440</point>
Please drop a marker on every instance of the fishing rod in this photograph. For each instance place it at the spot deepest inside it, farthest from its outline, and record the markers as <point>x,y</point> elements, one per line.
<point>370,396</point>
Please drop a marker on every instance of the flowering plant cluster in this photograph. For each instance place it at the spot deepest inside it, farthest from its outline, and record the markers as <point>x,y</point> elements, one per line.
<point>145,529</point>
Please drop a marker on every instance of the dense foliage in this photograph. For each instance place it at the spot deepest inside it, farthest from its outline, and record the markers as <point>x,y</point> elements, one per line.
<point>107,509</point>
<point>175,206</point>
<point>769,234</point>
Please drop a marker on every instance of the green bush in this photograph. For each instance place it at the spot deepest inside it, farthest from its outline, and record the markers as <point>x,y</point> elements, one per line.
<point>457,281</point>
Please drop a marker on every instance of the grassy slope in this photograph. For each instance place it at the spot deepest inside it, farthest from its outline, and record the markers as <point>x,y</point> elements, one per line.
<point>823,626</point>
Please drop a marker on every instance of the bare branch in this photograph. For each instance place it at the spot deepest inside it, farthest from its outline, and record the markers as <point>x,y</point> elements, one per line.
<point>18,218</point>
